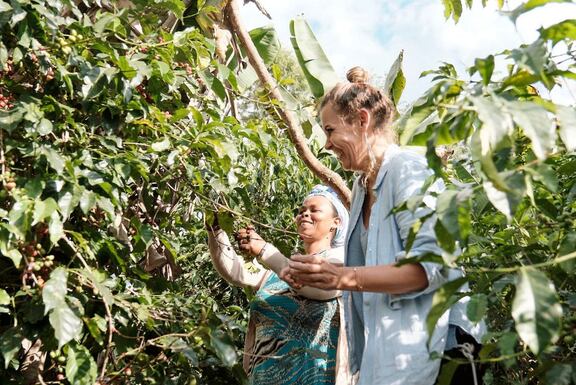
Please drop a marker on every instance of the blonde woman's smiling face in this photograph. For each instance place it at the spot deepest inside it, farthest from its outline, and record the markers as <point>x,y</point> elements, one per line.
<point>343,139</point>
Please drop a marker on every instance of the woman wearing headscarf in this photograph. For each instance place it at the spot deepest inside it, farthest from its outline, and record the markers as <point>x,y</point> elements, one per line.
<point>389,302</point>
<point>294,336</point>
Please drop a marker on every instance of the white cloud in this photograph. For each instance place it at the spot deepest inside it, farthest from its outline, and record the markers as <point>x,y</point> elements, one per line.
<point>371,33</point>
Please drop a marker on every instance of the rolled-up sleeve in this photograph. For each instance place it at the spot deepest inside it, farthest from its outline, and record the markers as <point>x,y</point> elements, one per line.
<point>230,265</point>
<point>411,177</point>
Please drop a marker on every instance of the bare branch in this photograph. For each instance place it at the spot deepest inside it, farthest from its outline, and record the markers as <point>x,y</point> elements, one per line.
<point>327,176</point>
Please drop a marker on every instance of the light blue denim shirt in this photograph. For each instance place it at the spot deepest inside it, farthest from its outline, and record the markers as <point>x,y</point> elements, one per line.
<point>387,333</point>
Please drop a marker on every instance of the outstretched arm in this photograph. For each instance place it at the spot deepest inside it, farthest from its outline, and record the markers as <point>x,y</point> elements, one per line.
<point>230,265</point>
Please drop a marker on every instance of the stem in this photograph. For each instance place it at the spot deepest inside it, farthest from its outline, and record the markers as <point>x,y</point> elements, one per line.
<point>294,130</point>
<point>513,269</point>
<point>219,205</point>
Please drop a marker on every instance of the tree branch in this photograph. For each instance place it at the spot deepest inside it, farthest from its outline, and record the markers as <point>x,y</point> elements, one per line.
<point>325,174</point>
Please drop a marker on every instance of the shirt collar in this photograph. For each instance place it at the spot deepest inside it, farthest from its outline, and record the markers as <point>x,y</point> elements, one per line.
<point>390,153</point>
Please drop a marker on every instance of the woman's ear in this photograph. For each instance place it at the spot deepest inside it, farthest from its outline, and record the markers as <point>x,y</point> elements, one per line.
<point>336,224</point>
<point>365,118</point>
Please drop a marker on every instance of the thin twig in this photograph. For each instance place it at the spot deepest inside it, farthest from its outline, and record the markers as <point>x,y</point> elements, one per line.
<point>236,213</point>
<point>513,269</point>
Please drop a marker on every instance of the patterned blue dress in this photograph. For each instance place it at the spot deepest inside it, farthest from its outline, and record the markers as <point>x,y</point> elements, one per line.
<point>296,337</point>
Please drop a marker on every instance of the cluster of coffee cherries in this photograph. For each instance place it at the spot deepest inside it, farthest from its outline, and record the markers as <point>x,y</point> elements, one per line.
<point>6,101</point>
<point>185,66</point>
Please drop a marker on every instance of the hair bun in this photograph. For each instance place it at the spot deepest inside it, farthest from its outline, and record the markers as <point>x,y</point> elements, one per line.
<point>357,75</point>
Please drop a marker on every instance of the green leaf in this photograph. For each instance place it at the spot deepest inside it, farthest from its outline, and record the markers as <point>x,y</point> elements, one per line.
<point>447,210</point>
<point>266,41</point>
<point>10,344</point>
<point>54,290</point>
<point>68,201</point>
<point>87,201</point>
<point>533,59</point>
<point>162,145</point>
<point>507,201</point>
<point>530,5</point>
<point>19,217</point>
<point>496,123</point>
<point>55,160</point>
<point>43,209</point>
<point>536,309</point>
<point>6,247</point>
<point>3,50</point>
<point>534,120</point>
<point>4,297</point>
<point>10,119</point>
<point>178,345</point>
<point>447,370</point>
<point>128,71</point>
<point>44,127</point>
<point>226,221</point>
<point>558,32</point>
<point>476,309</point>
<point>55,227</point>
<point>96,325</point>
<point>485,68</point>
<point>314,63</point>
<point>452,8</point>
<point>4,7</point>
<point>560,374</point>
<point>81,368</point>
<point>445,239</point>
<point>34,187</point>
<point>395,80</point>
<point>223,347</point>
<point>66,324</point>
<point>443,299</point>
<point>521,78</point>
<point>496,126</point>
<point>507,343</point>
<point>567,246</point>
<point>545,174</point>
<point>567,121</point>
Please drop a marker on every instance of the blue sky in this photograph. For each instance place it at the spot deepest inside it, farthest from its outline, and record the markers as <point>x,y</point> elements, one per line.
<point>371,33</point>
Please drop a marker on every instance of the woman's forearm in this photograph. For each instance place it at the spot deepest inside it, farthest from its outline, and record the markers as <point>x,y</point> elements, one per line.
<point>312,271</point>
<point>230,265</point>
<point>389,279</point>
<point>273,259</point>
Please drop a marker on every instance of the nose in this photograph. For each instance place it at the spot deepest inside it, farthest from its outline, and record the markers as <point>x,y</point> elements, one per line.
<point>303,214</point>
<point>328,144</point>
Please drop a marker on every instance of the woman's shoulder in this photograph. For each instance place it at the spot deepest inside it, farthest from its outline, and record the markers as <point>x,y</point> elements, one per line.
<point>407,155</point>
<point>406,161</point>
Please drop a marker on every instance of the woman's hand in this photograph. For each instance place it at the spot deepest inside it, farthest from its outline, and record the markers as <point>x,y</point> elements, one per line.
<point>315,271</point>
<point>287,277</point>
<point>249,241</point>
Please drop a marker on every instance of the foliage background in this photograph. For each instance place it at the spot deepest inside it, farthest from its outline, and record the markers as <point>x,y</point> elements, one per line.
<point>119,141</point>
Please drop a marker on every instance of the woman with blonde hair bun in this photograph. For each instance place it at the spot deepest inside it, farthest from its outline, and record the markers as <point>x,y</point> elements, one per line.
<point>386,304</point>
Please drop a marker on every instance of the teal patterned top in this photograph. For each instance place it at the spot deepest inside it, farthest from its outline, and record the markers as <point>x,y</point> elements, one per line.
<point>296,337</point>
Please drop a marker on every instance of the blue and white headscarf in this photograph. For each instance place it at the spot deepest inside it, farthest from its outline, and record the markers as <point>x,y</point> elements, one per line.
<point>342,212</point>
